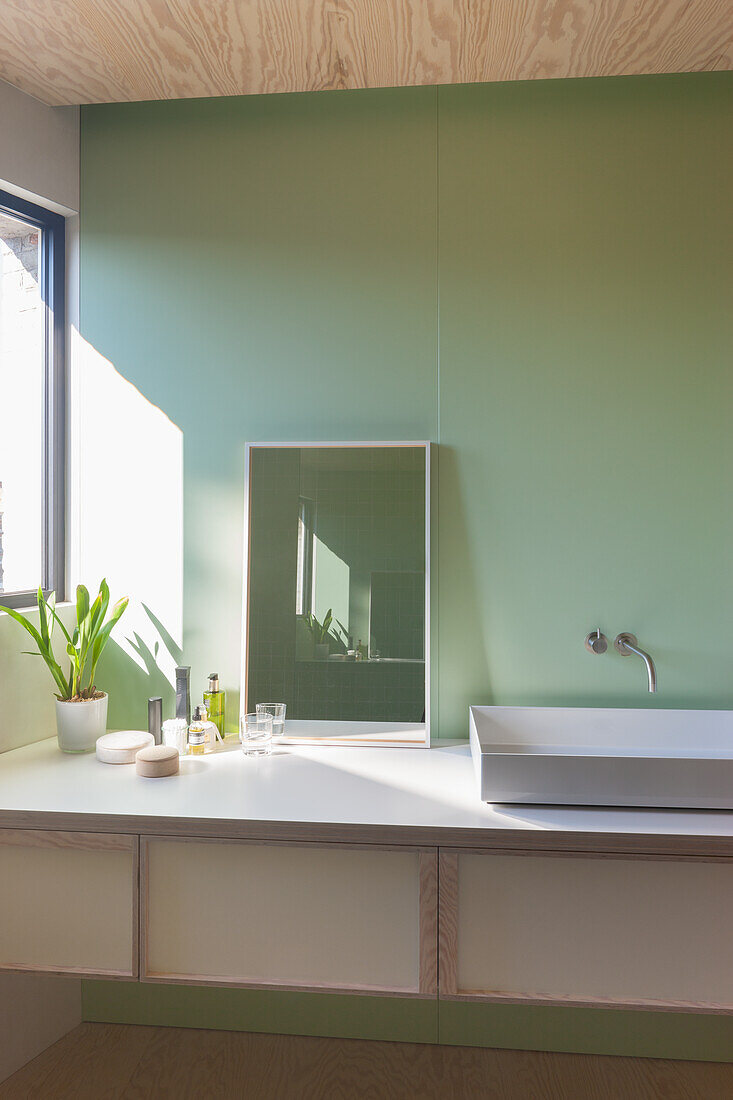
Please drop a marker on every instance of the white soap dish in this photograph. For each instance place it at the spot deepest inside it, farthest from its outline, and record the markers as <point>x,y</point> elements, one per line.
<point>122,746</point>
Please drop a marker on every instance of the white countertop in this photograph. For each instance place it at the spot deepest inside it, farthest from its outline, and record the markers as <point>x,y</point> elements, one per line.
<point>410,795</point>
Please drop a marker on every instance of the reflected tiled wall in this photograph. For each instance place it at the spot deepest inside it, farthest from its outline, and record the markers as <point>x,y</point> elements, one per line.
<point>371,517</point>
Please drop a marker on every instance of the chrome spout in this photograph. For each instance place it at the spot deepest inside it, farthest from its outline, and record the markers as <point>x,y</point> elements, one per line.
<point>626,644</point>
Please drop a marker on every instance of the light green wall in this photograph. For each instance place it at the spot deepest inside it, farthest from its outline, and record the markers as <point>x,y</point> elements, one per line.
<point>261,269</point>
<point>586,389</point>
<point>534,275</point>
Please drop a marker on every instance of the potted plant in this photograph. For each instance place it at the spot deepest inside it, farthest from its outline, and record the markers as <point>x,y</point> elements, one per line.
<point>81,708</point>
<point>320,633</point>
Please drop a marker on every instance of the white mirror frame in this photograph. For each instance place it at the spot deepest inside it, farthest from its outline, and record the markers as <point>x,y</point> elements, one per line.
<point>328,733</point>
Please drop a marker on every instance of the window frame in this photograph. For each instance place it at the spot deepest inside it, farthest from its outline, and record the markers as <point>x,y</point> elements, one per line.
<point>52,272</point>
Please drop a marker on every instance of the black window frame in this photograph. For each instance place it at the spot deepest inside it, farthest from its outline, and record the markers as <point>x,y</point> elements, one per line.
<point>52,278</point>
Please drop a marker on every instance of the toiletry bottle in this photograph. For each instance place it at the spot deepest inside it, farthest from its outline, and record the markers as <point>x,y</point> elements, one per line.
<point>200,714</point>
<point>155,718</point>
<point>183,692</point>
<point>197,734</point>
<point>215,702</point>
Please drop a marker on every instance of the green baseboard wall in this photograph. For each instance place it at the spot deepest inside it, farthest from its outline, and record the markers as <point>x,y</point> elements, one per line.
<point>700,1037</point>
<point>642,1034</point>
<point>400,1019</point>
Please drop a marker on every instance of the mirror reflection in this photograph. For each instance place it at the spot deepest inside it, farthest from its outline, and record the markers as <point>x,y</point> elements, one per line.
<point>336,593</point>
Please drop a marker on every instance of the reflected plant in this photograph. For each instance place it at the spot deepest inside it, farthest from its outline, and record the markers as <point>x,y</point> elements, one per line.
<point>320,632</point>
<point>341,635</point>
<point>84,647</point>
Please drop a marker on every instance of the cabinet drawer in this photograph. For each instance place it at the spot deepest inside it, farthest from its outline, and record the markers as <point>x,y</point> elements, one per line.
<point>579,930</point>
<point>289,916</point>
<point>69,903</point>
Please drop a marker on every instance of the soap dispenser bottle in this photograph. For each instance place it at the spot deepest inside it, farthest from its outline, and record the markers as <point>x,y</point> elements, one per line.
<point>215,702</point>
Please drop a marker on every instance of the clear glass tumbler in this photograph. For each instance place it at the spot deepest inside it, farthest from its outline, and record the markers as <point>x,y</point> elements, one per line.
<point>277,710</point>
<point>255,733</point>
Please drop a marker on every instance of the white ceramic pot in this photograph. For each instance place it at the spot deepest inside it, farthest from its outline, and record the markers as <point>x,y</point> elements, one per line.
<point>78,725</point>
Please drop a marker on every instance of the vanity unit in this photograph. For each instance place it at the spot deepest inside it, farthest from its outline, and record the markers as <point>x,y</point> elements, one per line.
<point>372,871</point>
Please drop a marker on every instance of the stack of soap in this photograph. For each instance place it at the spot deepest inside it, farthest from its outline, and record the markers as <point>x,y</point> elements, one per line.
<point>122,746</point>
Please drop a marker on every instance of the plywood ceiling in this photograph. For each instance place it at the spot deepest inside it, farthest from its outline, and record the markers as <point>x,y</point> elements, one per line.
<point>91,51</point>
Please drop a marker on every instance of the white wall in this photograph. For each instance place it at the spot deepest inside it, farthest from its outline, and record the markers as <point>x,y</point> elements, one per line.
<point>39,150</point>
<point>35,1011</point>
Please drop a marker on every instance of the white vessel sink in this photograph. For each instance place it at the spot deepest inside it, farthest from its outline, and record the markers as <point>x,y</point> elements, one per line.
<point>581,756</point>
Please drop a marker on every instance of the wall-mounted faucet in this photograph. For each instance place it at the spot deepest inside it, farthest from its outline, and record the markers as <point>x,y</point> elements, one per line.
<point>626,645</point>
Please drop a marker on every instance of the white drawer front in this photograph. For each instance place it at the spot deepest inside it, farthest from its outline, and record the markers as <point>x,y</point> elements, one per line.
<point>579,929</point>
<point>69,902</point>
<point>276,914</point>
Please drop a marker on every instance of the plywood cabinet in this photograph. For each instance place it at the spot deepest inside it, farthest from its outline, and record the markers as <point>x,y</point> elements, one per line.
<point>586,930</point>
<point>289,915</point>
<point>68,903</point>
<point>462,924</point>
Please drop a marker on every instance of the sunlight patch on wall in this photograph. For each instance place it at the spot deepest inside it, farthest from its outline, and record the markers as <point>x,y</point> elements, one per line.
<point>127,507</point>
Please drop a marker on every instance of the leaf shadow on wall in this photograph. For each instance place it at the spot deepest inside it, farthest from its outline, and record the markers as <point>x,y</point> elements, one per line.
<point>127,504</point>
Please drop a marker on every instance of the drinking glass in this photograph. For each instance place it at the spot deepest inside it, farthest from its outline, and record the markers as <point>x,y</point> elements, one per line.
<point>255,733</point>
<point>277,710</point>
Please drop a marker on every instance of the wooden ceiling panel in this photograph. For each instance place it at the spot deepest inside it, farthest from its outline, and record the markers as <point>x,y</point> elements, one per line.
<point>92,51</point>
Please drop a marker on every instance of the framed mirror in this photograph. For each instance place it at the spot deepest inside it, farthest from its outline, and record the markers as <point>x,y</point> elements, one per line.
<point>336,620</point>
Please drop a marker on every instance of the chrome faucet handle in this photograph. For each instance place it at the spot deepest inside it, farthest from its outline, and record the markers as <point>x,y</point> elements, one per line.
<point>596,642</point>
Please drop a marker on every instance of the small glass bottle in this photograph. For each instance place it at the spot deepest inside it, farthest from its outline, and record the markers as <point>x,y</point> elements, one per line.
<point>201,714</point>
<point>197,733</point>
<point>215,702</point>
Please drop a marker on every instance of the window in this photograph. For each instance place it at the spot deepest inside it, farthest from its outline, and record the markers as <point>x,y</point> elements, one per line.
<point>304,576</point>
<point>32,389</point>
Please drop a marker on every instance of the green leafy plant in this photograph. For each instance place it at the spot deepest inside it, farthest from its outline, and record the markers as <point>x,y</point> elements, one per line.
<point>341,635</point>
<point>84,647</point>
<point>320,632</point>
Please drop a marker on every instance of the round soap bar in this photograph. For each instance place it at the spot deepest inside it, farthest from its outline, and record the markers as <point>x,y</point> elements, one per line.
<point>122,746</point>
<point>157,760</point>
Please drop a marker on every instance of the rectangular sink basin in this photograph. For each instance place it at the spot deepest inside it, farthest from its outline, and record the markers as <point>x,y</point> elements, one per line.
<point>582,756</point>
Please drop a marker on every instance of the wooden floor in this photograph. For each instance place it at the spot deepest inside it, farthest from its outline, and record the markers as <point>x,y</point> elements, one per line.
<point>111,1061</point>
